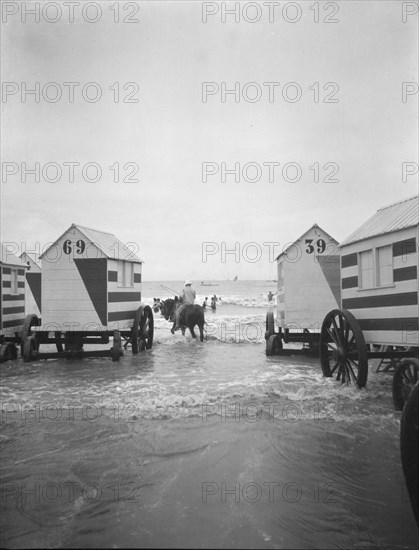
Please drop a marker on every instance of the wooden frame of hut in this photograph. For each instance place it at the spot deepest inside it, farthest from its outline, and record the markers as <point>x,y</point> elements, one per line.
<point>90,281</point>
<point>91,290</point>
<point>380,263</point>
<point>380,301</point>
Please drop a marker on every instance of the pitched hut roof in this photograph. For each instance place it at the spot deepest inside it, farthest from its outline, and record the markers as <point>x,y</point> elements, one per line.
<point>7,258</point>
<point>396,216</point>
<point>107,243</point>
<point>31,257</point>
<point>314,226</point>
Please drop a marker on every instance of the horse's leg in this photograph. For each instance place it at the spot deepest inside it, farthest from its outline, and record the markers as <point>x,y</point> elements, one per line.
<point>183,330</point>
<point>191,328</point>
<point>201,332</point>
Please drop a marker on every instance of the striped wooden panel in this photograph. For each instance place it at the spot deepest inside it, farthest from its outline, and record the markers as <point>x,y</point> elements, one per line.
<point>388,315</point>
<point>349,260</point>
<point>399,287</point>
<point>381,300</point>
<point>404,247</point>
<point>405,273</point>
<point>123,301</point>
<point>398,313</point>
<point>404,261</point>
<point>392,337</point>
<point>12,306</point>
<point>350,282</point>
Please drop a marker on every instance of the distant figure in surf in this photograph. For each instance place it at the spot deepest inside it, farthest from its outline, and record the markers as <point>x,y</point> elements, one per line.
<point>270,296</point>
<point>204,305</point>
<point>213,303</point>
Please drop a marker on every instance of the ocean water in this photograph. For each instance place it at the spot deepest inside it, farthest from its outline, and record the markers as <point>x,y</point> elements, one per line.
<point>202,445</point>
<point>241,307</point>
<point>247,294</point>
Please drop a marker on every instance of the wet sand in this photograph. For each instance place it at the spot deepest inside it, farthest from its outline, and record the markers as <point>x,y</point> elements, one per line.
<point>199,445</point>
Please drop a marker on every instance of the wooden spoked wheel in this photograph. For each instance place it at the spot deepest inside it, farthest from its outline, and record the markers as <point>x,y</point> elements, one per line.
<point>142,330</point>
<point>409,450</point>
<point>28,338</point>
<point>343,352</point>
<point>405,377</point>
<point>273,345</point>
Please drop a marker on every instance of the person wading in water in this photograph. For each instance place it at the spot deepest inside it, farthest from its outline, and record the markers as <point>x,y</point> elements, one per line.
<point>187,297</point>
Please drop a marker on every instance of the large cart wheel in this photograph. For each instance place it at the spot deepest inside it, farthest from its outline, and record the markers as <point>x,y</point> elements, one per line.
<point>342,348</point>
<point>405,377</point>
<point>409,442</point>
<point>142,330</point>
<point>28,339</point>
<point>8,352</point>
<point>270,325</point>
<point>273,345</point>
<point>116,350</point>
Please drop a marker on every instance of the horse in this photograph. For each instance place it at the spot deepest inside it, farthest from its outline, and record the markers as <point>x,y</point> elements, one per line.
<point>157,305</point>
<point>192,315</point>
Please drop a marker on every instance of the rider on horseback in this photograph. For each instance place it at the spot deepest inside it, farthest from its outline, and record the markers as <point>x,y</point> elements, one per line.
<point>187,297</point>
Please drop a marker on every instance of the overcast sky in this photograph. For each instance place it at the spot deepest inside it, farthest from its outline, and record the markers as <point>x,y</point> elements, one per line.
<point>366,130</point>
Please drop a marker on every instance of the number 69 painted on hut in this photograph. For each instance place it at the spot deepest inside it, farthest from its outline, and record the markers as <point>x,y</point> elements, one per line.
<point>91,290</point>
<point>379,284</point>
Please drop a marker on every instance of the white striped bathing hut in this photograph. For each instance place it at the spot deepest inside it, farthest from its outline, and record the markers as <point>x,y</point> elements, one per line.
<point>308,280</point>
<point>379,270</point>
<point>33,284</point>
<point>91,281</point>
<point>12,298</point>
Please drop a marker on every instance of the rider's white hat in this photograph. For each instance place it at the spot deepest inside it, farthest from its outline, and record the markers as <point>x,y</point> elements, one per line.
<point>187,283</point>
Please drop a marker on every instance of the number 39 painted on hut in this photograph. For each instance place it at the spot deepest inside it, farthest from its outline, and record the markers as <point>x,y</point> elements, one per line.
<point>308,280</point>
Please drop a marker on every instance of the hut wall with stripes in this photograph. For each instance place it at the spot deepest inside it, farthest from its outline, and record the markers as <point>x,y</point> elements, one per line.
<point>308,280</point>
<point>33,285</point>
<point>91,282</point>
<point>379,270</point>
<point>12,297</point>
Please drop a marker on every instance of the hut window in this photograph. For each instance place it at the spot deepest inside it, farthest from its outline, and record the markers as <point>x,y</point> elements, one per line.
<point>13,281</point>
<point>366,269</point>
<point>125,274</point>
<point>384,265</point>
